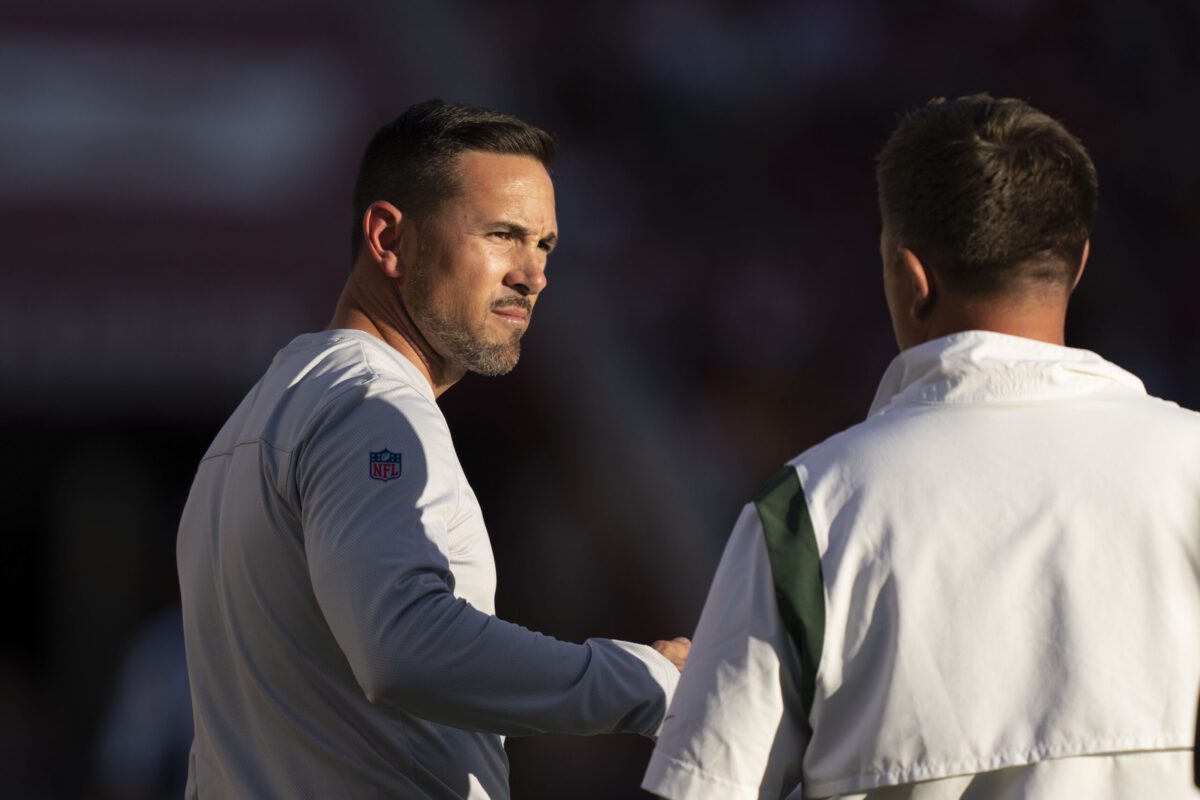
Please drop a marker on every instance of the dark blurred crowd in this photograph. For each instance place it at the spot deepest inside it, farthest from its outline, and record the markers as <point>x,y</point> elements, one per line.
<point>175,186</point>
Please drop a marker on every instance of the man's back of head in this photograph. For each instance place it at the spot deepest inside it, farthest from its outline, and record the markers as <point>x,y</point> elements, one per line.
<point>991,193</point>
<point>987,206</point>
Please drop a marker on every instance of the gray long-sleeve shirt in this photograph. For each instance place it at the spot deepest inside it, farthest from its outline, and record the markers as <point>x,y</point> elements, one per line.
<point>338,587</point>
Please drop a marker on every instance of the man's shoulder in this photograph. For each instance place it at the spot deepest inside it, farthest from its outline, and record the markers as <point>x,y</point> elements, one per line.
<point>348,400</point>
<point>932,440</point>
<point>330,362</point>
<point>323,378</point>
<point>1168,411</point>
<point>333,371</point>
<point>844,447</point>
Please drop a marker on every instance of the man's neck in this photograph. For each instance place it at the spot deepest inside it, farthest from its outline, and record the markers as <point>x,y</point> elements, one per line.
<point>375,310</point>
<point>1042,319</point>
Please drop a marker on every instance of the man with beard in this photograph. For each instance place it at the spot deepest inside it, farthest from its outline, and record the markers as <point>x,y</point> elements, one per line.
<point>991,587</point>
<point>336,574</point>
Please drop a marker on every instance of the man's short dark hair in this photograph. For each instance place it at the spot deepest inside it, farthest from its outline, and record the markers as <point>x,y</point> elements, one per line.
<point>410,161</point>
<point>990,193</point>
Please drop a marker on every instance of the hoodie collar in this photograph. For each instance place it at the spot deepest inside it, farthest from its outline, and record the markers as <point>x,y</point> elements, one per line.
<point>982,366</point>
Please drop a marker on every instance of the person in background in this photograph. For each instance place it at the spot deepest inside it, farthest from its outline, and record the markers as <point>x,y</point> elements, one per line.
<point>142,748</point>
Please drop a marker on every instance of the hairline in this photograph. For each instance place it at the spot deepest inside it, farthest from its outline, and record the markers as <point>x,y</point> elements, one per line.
<point>452,182</point>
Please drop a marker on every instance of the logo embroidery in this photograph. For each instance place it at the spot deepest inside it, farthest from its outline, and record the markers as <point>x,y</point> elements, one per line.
<point>385,465</point>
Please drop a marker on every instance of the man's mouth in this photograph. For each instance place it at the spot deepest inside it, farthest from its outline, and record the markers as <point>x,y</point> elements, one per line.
<point>516,312</point>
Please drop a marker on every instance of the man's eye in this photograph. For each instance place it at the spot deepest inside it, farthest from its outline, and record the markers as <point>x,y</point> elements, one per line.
<point>501,234</point>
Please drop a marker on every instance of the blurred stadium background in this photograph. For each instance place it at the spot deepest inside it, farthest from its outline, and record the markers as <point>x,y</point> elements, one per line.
<point>174,186</point>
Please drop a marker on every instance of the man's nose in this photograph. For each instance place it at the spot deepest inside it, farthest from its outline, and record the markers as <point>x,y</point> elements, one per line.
<point>529,275</point>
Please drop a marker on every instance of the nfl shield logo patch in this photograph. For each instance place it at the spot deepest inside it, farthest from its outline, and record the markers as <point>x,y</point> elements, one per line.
<point>385,465</point>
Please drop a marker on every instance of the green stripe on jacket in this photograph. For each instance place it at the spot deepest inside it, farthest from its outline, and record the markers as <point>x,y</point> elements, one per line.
<point>796,569</point>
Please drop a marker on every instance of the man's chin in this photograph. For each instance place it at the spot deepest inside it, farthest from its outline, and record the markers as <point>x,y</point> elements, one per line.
<point>477,351</point>
<point>493,370</point>
<point>495,360</point>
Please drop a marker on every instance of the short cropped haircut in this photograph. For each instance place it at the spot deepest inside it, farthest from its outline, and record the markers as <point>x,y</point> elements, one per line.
<point>990,193</point>
<point>410,162</point>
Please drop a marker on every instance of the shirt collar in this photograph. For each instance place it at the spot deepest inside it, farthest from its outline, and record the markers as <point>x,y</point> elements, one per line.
<point>979,366</point>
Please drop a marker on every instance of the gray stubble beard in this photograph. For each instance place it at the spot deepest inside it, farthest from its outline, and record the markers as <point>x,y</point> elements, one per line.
<point>461,345</point>
<point>468,348</point>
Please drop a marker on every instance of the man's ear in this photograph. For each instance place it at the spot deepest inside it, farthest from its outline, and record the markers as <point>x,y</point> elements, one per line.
<point>920,284</point>
<point>1087,249</point>
<point>383,232</point>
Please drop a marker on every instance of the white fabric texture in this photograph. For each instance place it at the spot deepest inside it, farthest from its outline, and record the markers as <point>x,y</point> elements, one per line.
<point>1010,552</point>
<point>339,627</point>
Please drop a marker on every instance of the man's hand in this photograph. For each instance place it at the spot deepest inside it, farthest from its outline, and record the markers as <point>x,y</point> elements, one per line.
<point>675,650</point>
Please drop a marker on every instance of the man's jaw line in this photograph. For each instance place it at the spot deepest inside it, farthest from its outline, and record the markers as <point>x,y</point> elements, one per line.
<point>443,371</point>
<point>387,317</point>
<point>392,322</point>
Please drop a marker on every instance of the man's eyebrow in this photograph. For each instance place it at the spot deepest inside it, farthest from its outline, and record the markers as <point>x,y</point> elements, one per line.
<point>517,229</point>
<point>513,227</point>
